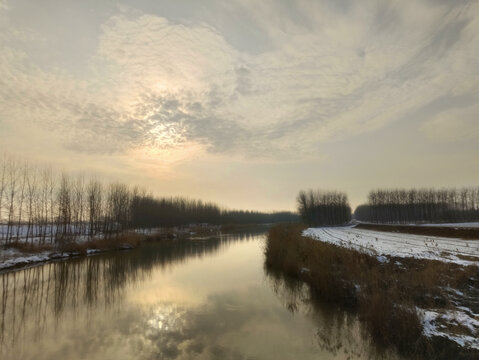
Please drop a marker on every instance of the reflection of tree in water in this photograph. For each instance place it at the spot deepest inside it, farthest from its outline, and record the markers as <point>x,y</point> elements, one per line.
<point>32,297</point>
<point>339,330</point>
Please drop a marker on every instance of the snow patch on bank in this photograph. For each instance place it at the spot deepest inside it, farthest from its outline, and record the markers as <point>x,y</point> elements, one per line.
<point>435,323</point>
<point>21,261</point>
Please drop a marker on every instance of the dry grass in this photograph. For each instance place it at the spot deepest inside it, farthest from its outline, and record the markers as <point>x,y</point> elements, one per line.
<point>112,243</point>
<point>67,245</point>
<point>384,295</point>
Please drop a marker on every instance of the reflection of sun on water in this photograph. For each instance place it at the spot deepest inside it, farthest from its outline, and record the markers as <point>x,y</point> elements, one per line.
<point>167,317</point>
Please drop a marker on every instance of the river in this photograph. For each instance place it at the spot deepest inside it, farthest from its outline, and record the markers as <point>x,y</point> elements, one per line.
<point>185,299</point>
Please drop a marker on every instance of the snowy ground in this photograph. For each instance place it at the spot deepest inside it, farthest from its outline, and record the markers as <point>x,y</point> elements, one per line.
<point>41,234</point>
<point>12,258</point>
<point>435,323</point>
<point>384,244</point>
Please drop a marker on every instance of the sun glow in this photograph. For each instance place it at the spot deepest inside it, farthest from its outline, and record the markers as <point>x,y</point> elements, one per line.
<point>159,162</point>
<point>167,136</point>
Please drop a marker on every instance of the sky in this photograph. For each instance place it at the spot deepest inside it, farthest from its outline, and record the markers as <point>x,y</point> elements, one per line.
<point>245,102</point>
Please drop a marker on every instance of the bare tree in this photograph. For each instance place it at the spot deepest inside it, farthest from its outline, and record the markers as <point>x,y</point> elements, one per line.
<point>323,208</point>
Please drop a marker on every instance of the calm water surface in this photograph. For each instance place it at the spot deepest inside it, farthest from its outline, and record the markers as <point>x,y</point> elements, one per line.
<point>197,299</point>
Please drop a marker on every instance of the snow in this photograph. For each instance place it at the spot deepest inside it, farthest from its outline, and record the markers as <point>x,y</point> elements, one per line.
<point>12,258</point>
<point>35,234</point>
<point>376,243</point>
<point>461,318</point>
<point>24,260</point>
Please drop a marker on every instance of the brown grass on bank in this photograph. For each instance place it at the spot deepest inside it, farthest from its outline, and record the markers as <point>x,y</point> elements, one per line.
<point>128,240</point>
<point>384,295</point>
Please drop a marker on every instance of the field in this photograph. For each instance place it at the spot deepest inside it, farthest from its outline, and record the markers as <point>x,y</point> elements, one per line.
<point>385,244</point>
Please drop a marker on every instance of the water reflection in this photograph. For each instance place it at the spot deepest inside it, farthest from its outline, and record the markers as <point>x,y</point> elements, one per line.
<point>339,331</point>
<point>202,299</point>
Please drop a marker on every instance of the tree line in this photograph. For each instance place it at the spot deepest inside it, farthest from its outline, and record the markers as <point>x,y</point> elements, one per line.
<point>37,204</point>
<point>323,208</point>
<point>149,211</point>
<point>423,205</point>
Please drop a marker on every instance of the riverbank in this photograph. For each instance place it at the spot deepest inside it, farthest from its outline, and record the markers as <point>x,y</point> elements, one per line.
<point>420,307</point>
<point>21,254</point>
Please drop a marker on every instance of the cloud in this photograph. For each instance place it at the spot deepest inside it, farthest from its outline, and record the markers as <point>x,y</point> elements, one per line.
<point>326,71</point>
<point>454,125</point>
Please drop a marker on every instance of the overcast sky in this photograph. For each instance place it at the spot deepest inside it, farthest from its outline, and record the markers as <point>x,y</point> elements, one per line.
<point>245,102</point>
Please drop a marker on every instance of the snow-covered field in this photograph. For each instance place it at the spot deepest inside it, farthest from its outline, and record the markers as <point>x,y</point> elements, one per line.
<point>384,244</point>
<point>35,234</point>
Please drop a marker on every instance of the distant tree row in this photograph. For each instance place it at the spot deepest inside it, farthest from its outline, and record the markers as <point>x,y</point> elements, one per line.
<point>255,217</point>
<point>423,205</point>
<point>149,211</point>
<point>38,205</point>
<point>323,208</point>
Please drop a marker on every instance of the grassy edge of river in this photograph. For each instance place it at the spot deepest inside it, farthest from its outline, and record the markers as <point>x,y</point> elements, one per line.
<point>385,295</point>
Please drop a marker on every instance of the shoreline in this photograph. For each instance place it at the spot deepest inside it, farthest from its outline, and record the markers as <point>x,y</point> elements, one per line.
<point>25,262</point>
<point>422,308</point>
<point>37,255</point>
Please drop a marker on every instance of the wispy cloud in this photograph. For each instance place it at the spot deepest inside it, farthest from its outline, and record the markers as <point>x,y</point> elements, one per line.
<point>326,71</point>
